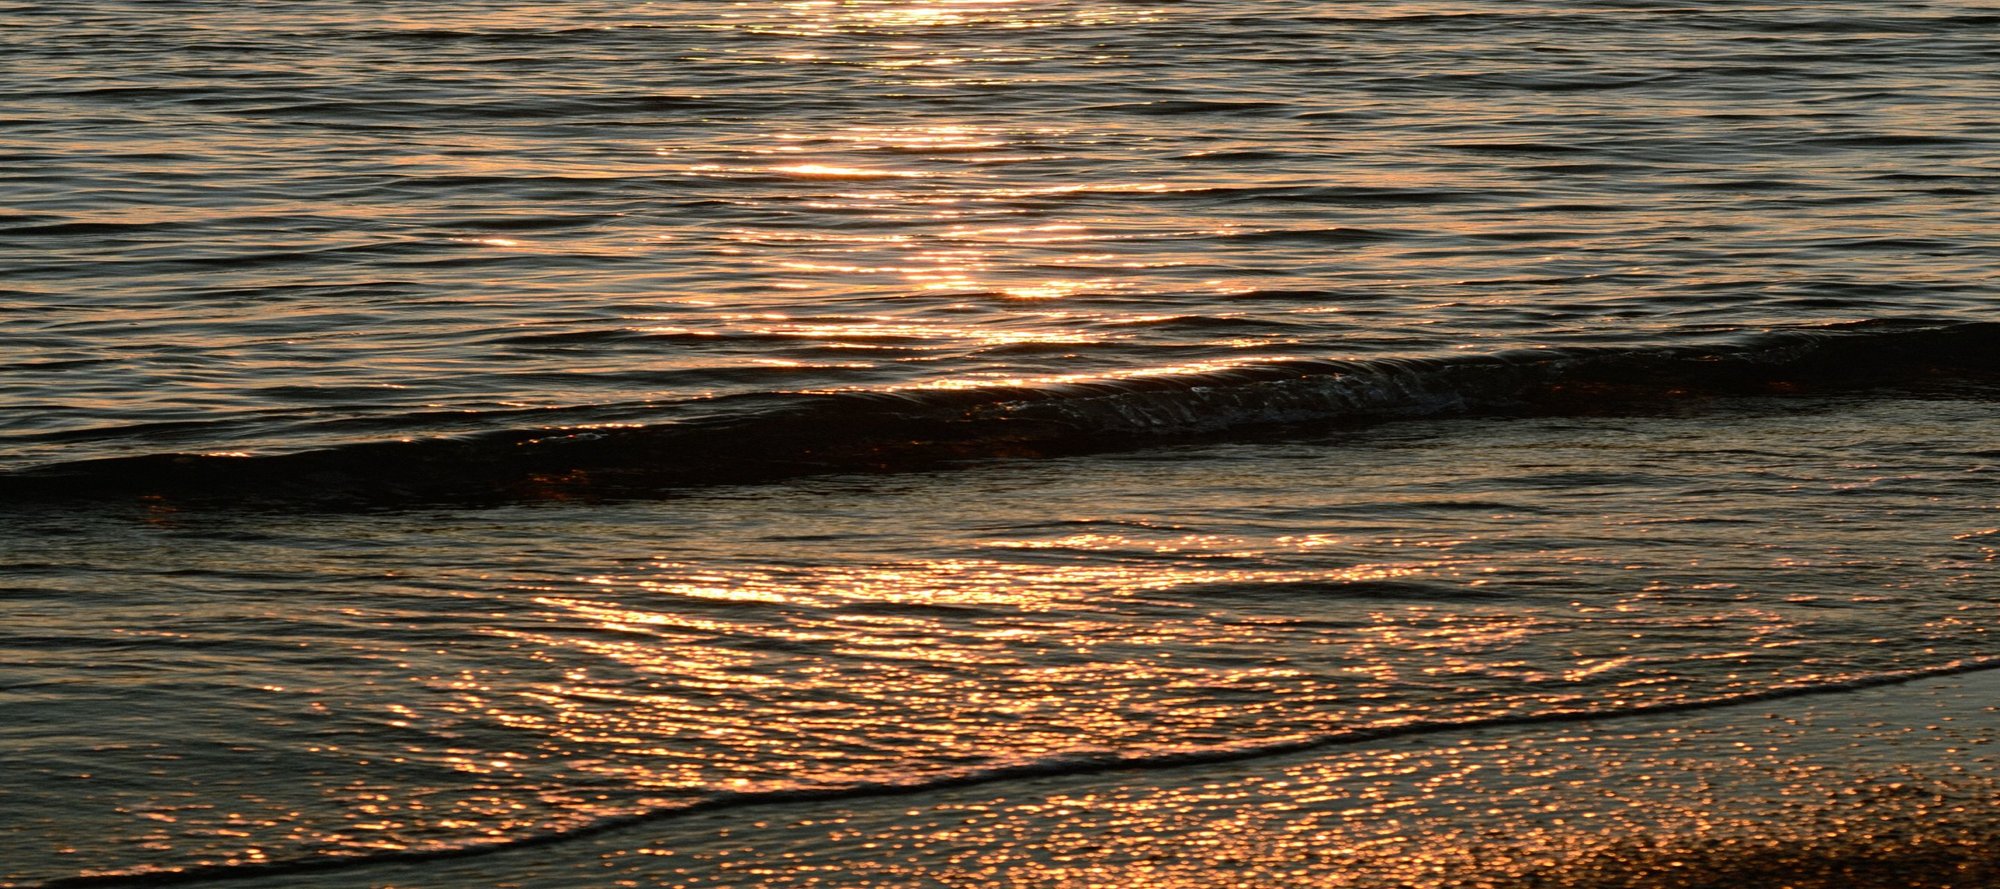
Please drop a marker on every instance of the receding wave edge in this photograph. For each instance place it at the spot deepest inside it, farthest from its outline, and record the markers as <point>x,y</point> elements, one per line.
<point>1072,766</point>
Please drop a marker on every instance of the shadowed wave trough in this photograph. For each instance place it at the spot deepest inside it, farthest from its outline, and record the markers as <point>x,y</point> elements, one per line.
<point>769,437</point>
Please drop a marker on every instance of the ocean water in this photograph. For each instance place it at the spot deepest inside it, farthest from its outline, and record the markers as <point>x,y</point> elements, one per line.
<point>433,429</point>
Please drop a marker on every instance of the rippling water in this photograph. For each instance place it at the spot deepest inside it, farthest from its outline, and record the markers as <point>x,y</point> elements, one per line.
<point>437,426</point>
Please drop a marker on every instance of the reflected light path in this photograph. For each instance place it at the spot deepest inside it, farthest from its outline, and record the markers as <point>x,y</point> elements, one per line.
<point>473,423</point>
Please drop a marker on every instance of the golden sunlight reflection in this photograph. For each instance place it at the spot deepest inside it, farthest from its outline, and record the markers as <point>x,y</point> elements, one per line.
<point>453,424</point>
<point>916,16</point>
<point>829,171</point>
<point>940,216</point>
<point>1818,795</point>
<point>678,677</point>
<point>685,676</point>
<point>1000,378</point>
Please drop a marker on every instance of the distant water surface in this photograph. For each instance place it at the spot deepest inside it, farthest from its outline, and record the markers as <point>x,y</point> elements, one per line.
<point>436,426</point>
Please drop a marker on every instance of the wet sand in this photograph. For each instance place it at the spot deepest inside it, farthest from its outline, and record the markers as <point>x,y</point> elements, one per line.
<point>1885,787</point>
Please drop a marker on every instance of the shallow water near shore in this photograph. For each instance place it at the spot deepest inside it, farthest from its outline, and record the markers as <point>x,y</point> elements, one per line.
<point>1872,789</point>
<point>435,680</point>
<point>434,432</point>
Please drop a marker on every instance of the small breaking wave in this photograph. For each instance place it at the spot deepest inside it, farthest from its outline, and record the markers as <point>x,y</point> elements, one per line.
<point>781,435</point>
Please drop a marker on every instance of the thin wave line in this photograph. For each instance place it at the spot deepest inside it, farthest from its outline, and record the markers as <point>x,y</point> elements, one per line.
<point>1054,768</point>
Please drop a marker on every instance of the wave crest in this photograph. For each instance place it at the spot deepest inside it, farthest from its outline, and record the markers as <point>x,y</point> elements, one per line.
<point>779,436</point>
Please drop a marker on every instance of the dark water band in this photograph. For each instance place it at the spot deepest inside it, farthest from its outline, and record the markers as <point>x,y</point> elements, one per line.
<point>771,437</point>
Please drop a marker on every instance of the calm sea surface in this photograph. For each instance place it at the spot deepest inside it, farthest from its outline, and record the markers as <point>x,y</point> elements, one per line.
<point>442,426</point>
